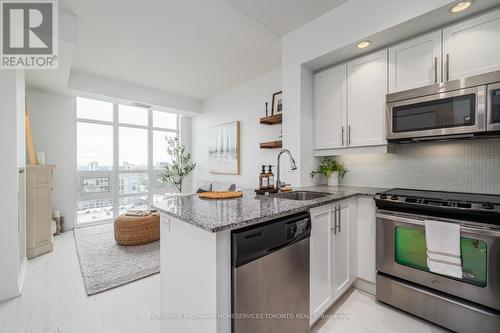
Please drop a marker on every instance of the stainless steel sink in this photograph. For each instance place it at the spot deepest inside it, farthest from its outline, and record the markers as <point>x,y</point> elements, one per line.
<point>301,195</point>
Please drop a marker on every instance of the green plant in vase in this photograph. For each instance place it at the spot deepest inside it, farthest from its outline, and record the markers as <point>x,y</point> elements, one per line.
<point>332,170</point>
<point>180,166</point>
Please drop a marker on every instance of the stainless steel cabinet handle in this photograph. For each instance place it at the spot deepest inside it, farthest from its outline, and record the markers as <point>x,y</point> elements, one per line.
<point>349,135</point>
<point>334,211</point>
<point>343,141</point>
<point>435,70</point>
<point>447,67</point>
<point>340,219</point>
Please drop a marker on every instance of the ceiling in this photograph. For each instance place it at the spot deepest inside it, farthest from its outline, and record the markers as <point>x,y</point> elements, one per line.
<point>284,16</point>
<point>193,48</point>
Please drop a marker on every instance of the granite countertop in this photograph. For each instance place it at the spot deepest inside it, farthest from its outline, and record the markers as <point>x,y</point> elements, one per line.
<point>218,215</point>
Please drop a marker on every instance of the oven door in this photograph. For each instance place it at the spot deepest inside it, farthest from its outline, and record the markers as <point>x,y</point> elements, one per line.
<point>402,252</point>
<point>450,113</point>
<point>494,107</point>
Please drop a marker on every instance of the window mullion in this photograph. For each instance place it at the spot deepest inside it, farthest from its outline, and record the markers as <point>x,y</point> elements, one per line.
<point>152,180</point>
<point>116,161</point>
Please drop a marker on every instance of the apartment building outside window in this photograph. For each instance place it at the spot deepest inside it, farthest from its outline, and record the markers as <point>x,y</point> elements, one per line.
<point>121,152</point>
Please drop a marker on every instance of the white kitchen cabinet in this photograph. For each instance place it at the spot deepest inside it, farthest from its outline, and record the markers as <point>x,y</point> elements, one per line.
<point>472,47</point>
<point>366,88</point>
<point>330,105</point>
<point>344,246</point>
<point>333,254</point>
<point>366,239</point>
<point>415,63</point>
<point>321,282</point>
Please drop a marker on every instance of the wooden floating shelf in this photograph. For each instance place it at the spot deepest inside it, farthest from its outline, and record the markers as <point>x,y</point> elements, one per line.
<point>271,145</point>
<point>272,120</point>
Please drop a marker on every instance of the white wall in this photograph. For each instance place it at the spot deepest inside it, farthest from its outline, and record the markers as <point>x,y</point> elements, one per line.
<point>12,141</point>
<point>343,26</point>
<point>245,103</point>
<point>93,86</point>
<point>53,126</point>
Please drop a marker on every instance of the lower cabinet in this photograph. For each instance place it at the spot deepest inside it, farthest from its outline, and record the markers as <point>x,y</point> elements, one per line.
<point>366,239</point>
<point>321,262</point>
<point>333,267</point>
<point>344,246</point>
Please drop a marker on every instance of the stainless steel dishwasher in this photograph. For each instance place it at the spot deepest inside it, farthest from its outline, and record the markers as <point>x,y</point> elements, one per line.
<point>270,276</point>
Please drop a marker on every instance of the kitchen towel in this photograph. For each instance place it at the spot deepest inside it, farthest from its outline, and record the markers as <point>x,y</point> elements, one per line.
<point>443,248</point>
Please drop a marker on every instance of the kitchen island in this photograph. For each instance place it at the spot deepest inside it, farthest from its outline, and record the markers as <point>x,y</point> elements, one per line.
<point>196,251</point>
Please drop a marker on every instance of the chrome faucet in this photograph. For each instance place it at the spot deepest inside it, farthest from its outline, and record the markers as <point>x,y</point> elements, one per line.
<point>293,166</point>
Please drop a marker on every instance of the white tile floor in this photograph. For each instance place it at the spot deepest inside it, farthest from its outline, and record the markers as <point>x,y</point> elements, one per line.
<point>54,300</point>
<point>359,312</point>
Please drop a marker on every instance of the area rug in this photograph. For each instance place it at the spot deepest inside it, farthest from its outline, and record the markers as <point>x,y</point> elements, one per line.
<point>106,265</point>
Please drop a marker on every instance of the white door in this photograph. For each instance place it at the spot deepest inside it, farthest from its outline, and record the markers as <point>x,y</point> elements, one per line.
<point>321,293</point>
<point>415,63</point>
<point>366,239</point>
<point>344,270</point>
<point>367,87</point>
<point>330,104</point>
<point>472,47</point>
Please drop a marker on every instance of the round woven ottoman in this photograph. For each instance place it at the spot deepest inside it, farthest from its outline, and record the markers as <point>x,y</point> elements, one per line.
<point>137,230</point>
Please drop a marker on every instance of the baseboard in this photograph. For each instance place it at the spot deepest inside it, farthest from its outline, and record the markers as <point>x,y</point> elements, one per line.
<point>9,295</point>
<point>366,286</point>
<point>22,275</point>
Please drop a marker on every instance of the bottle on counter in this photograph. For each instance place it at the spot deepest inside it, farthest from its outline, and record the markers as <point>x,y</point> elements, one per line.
<point>263,179</point>
<point>270,178</point>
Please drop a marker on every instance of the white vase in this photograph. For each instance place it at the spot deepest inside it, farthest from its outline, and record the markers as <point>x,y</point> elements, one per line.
<point>333,180</point>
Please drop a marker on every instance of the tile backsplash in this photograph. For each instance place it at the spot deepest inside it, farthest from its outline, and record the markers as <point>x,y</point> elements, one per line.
<point>463,166</point>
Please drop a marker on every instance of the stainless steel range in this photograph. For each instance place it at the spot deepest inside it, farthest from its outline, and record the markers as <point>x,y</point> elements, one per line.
<point>467,304</point>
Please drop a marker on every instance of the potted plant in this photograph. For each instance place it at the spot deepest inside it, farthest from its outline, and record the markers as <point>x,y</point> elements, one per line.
<point>332,170</point>
<point>179,167</point>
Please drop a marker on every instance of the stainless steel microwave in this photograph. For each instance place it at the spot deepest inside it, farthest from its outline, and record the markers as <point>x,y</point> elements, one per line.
<point>454,109</point>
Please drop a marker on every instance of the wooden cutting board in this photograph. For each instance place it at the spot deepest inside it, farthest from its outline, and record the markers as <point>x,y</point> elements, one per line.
<point>220,195</point>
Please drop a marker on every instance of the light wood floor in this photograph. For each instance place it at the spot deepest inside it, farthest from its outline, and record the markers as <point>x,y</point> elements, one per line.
<point>54,300</point>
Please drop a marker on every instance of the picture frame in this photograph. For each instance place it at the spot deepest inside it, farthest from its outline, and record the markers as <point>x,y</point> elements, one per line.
<point>224,149</point>
<point>277,106</point>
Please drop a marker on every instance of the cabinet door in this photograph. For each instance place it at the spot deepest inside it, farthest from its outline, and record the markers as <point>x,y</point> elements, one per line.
<point>367,87</point>
<point>344,248</point>
<point>330,104</point>
<point>321,294</point>
<point>472,47</point>
<point>366,239</point>
<point>415,63</point>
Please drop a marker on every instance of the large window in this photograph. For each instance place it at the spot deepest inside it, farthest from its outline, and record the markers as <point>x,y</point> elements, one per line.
<point>121,151</point>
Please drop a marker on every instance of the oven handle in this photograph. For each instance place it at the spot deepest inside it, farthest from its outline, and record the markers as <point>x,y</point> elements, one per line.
<point>465,228</point>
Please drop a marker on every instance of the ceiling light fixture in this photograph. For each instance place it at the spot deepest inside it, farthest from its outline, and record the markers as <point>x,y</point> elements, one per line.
<point>460,7</point>
<point>364,44</point>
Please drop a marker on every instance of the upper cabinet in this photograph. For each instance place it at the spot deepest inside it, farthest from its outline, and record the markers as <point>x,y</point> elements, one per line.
<point>349,104</point>
<point>331,107</point>
<point>367,87</point>
<point>472,47</point>
<point>415,63</point>
<point>349,100</point>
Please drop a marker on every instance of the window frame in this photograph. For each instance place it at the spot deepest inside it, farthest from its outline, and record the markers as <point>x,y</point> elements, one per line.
<point>115,171</point>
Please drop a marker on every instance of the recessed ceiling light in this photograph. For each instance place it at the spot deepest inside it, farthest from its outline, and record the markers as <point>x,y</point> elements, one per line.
<point>461,6</point>
<point>364,44</point>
